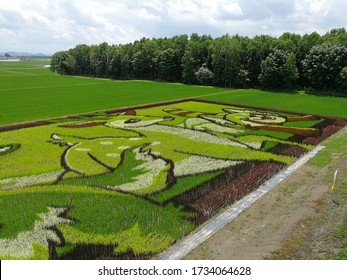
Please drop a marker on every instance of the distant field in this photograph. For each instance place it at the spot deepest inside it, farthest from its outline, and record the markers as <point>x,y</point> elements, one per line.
<point>323,105</point>
<point>35,63</point>
<point>33,94</point>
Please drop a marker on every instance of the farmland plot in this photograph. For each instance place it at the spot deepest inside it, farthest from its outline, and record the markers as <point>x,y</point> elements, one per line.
<point>128,183</point>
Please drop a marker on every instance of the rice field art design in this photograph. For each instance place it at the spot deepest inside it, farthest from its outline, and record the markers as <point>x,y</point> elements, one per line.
<point>128,183</point>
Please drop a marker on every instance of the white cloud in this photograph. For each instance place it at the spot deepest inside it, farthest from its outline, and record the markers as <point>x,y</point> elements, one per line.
<point>51,25</point>
<point>316,7</point>
<point>203,11</point>
<point>145,14</point>
<point>156,5</point>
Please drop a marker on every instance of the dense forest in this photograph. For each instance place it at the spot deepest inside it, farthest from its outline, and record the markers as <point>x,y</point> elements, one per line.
<point>291,61</point>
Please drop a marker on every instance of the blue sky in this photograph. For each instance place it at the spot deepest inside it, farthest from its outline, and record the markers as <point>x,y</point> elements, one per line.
<point>51,25</point>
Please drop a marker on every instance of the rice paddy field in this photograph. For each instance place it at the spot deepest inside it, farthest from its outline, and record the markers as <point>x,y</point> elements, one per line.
<point>30,92</point>
<point>97,168</point>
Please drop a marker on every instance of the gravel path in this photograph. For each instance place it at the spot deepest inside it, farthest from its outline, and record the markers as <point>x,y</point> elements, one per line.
<point>192,241</point>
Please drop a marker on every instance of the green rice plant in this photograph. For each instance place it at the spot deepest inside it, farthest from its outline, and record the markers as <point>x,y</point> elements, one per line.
<point>39,253</point>
<point>304,124</point>
<point>183,185</point>
<point>8,148</point>
<point>35,155</point>
<point>24,89</point>
<point>274,134</point>
<point>27,89</point>
<point>295,102</point>
<point>106,180</point>
<point>99,216</point>
<point>275,141</point>
<point>123,174</point>
<point>159,182</point>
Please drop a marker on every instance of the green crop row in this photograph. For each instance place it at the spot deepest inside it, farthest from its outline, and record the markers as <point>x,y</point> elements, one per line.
<point>183,185</point>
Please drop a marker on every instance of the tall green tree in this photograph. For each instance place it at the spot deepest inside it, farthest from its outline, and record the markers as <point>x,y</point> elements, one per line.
<point>258,49</point>
<point>242,79</point>
<point>323,64</point>
<point>342,81</point>
<point>198,52</point>
<point>291,72</point>
<point>64,63</point>
<point>166,64</point>
<point>81,54</point>
<point>100,59</point>
<point>336,36</point>
<point>126,67</point>
<point>278,70</point>
<point>56,62</point>
<point>226,60</point>
<point>143,60</point>
<point>289,61</point>
<point>288,42</point>
<point>204,75</point>
<point>115,68</point>
<point>307,42</point>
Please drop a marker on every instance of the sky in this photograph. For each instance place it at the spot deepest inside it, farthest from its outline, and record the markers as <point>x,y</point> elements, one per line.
<point>48,26</point>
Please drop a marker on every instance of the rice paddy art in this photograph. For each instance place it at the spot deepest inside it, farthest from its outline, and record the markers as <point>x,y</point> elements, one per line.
<point>129,183</point>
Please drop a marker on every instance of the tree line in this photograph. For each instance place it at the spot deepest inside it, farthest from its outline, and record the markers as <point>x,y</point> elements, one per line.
<point>291,61</point>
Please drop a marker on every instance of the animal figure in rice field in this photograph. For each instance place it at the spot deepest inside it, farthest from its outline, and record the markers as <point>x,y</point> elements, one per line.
<point>166,149</point>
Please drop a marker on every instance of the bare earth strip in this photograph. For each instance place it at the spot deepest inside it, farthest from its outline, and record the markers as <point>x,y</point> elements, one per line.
<point>186,246</point>
<point>296,220</point>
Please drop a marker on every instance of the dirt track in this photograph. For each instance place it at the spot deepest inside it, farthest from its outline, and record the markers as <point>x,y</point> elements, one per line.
<point>294,221</point>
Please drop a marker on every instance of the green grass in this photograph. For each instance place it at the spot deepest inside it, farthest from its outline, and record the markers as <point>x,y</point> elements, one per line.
<point>341,231</point>
<point>322,105</point>
<point>339,234</point>
<point>54,95</point>
<point>335,145</point>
